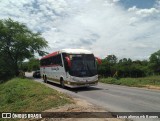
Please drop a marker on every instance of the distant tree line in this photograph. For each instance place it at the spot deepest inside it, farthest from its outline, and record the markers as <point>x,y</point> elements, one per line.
<point>112,67</point>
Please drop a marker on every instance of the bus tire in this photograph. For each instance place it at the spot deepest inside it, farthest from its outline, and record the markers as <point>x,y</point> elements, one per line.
<point>45,79</point>
<point>62,83</point>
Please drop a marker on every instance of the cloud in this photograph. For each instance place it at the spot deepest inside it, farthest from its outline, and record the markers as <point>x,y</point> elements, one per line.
<point>102,26</point>
<point>144,12</point>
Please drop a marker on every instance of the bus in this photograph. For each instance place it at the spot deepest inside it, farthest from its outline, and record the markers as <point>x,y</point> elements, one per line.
<point>70,67</point>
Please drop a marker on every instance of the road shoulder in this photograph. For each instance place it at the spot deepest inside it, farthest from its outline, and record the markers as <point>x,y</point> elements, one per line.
<point>79,105</point>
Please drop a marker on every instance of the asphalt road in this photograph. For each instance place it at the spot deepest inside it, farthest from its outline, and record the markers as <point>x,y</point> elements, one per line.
<point>115,98</point>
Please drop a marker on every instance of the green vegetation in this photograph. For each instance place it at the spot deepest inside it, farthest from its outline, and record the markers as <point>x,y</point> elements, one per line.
<point>133,82</point>
<point>25,95</point>
<point>124,68</point>
<point>17,43</point>
<point>32,65</point>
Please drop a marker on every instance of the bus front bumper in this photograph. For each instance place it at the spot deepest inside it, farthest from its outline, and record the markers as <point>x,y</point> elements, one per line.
<point>81,84</point>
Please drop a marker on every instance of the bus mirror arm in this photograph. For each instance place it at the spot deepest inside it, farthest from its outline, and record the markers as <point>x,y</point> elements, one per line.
<point>68,61</point>
<point>98,60</point>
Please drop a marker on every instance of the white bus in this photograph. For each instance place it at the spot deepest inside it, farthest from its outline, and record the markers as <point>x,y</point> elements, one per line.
<point>70,67</point>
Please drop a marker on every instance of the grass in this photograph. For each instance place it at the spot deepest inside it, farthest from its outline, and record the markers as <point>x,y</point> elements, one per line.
<point>25,95</point>
<point>133,82</point>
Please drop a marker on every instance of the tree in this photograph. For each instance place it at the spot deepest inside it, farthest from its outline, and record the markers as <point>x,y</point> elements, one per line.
<point>17,43</point>
<point>137,69</point>
<point>154,62</point>
<point>111,59</point>
<point>4,70</point>
<point>102,68</point>
<point>32,65</point>
<point>123,67</point>
<point>110,67</point>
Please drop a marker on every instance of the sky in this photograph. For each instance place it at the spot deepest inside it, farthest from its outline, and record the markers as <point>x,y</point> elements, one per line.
<point>125,28</point>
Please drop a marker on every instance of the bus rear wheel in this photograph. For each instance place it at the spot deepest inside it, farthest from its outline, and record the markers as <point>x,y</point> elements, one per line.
<point>45,79</point>
<point>62,83</point>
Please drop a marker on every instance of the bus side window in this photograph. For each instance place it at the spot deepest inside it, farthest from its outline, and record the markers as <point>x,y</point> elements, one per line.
<point>56,60</point>
<point>53,60</point>
<point>44,62</point>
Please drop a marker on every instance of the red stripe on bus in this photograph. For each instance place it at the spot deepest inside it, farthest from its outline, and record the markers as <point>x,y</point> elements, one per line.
<point>50,55</point>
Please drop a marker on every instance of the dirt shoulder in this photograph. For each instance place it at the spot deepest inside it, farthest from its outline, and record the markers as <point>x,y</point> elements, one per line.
<point>152,87</point>
<point>78,106</point>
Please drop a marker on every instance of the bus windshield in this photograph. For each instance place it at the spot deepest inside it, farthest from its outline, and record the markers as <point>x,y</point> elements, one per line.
<point>82,65</point>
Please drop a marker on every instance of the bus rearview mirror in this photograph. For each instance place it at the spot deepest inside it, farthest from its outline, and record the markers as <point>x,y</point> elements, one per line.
<point>98,60</point>
<point>68,61</point>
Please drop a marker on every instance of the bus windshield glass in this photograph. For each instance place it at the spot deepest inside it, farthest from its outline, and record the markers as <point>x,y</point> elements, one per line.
<point>82,65</point>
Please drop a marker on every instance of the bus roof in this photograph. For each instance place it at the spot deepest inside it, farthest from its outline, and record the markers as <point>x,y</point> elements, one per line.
<point>76,51</point>
<point>49,55</point>
<point>70,51</point>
